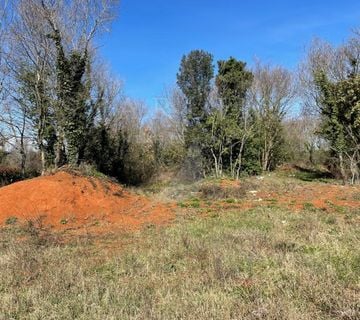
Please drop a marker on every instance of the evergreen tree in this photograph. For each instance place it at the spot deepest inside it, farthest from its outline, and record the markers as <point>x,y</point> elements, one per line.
<point>194,79</point>
<point>233,82</point>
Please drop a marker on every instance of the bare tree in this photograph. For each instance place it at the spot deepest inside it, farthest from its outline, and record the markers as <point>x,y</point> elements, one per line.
<point>30,64</point>
<point>4,21</point>
<point>41,32</point>
<point>272,93</point>
<point>15,135</point>
<point>338,64</point>
<point>173,104</point>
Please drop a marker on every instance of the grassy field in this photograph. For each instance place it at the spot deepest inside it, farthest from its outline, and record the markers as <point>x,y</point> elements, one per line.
<point>261,263</point>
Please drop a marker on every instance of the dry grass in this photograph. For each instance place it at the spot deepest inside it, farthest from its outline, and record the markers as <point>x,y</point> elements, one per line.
<point>264,263</point>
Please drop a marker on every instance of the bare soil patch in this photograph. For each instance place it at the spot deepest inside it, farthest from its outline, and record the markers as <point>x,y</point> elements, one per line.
<point>65,201</point>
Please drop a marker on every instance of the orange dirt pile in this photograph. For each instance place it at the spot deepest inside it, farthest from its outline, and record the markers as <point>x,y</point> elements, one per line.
<point>67,201</point>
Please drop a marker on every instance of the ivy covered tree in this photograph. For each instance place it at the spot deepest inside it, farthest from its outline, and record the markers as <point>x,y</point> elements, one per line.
<point>194,79</point>
<point>233,82</point>
<point>340,121</point>
<point>73,109</point>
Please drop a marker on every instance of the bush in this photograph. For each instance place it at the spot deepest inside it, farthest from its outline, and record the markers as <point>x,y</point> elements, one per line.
<point>213,191</point>
<point>10,175</point>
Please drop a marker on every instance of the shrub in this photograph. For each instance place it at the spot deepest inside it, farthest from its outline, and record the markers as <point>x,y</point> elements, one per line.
<point>11,174</point>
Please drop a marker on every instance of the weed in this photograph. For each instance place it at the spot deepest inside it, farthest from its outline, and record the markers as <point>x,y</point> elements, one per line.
<point>309,206</point>
<point>356,196</point>
<point>237,265</point>
<point>11,220</point>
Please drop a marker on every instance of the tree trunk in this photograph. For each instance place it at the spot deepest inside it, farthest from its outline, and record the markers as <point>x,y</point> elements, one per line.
<point>59,149</point>
<point>342,168</point>
<point>239,160</point>
<point>43,159</point>
<point>23,158</point>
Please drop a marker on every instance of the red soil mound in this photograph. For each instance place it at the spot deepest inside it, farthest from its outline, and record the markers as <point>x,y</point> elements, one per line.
<point>67,201</point>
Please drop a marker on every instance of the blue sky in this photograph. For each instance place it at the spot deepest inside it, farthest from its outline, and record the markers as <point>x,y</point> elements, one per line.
<point>149,37</point>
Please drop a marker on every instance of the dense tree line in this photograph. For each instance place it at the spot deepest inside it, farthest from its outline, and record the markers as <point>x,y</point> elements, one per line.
<point>61,106</point>
<point>233,124</point>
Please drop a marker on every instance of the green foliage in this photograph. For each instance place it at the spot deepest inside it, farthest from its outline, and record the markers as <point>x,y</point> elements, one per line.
<point>74,113</point>
<point>3,155</point>
<point>251,163</point>
<point>233,81</point>
<point>99,149</point>
<point>34,98</point>
<point>228,123</point>
<point>194,79</point>
<point>340,115</point>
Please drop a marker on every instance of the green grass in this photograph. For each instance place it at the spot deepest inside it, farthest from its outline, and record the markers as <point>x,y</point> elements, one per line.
<point>259,264</point>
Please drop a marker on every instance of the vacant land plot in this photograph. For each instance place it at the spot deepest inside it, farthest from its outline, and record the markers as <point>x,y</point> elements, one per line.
<point>214,262</point>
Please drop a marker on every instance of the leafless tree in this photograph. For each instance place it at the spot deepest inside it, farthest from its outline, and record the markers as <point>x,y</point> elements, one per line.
<point>173,104</point>
<point>337,63</point>
<point>15,134</point>
<point>4,21</point>
<point>30,53</point>
<point>272,93</point>
<point>30,64</point>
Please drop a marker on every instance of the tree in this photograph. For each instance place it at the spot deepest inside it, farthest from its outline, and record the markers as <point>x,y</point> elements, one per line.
<point>29,56</point>
<point>74,112</point>
<point>4,21</point>
<point>48,69</point>
<point>272,92</point>
<point>16,122</point>
<point>331,75</point>
<point>303,143</point>
<point>340,110</point>
<point>174,104</point>
<point>194,79</point>
<point>107,97</point>
<point>134,159</point>
<point>233,82</point>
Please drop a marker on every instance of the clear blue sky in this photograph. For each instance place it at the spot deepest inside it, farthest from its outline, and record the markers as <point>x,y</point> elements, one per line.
<point>149,37</point>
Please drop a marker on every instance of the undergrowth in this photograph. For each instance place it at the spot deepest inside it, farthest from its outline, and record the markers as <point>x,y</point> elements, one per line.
<point>259,264</point>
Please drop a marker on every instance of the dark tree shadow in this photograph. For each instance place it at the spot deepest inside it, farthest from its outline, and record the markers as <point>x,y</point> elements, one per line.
<point>307,174</point>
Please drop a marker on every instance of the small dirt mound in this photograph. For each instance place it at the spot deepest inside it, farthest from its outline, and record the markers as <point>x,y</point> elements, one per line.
<point>68,201</point>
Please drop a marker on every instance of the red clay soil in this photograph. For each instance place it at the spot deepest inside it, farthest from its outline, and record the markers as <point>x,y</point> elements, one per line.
<point>328,197</point>
<point>321,196</point>
<point>67,201</point>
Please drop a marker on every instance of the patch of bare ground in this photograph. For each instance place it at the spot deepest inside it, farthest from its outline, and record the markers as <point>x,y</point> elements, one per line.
<point>73,203</point>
